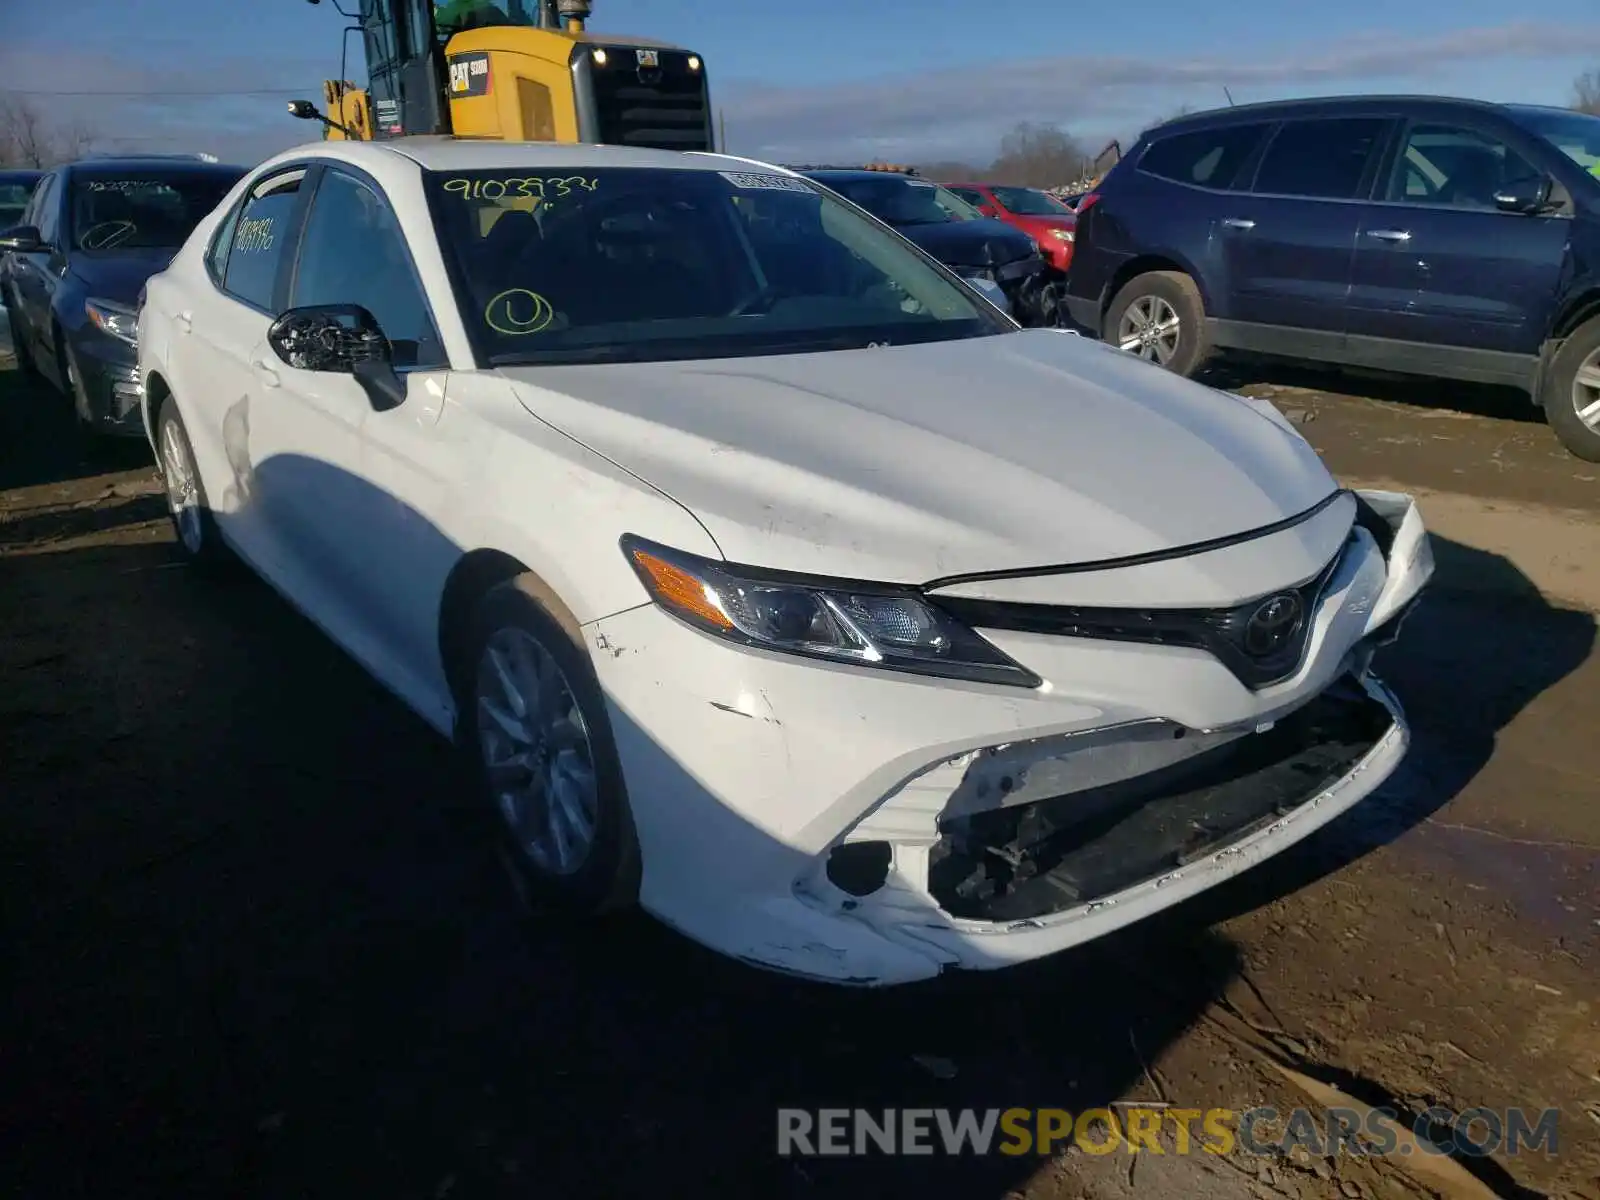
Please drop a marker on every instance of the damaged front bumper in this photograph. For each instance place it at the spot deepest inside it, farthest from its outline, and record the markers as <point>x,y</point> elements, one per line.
<point>864,827</point>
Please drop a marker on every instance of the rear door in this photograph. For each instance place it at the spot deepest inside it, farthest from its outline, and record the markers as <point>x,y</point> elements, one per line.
<point>1437,262</point>
<point>1289,244</point>
<point>30,272</point>
<point>216,334</point>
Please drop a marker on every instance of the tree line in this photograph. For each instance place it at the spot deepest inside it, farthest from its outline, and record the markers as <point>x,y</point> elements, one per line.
<point>1030,155</point>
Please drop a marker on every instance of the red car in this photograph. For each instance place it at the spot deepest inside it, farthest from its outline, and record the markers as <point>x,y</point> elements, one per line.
<point>1038,214</point>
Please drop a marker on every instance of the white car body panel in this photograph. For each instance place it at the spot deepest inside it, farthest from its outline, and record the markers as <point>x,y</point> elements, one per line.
<point>888,464</point>
<point>1020,469</point>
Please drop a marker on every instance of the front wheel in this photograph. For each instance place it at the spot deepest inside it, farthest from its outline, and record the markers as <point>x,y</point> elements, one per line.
<point>536,732</point>
<point>1160,317</point>
<point>1570,395</point>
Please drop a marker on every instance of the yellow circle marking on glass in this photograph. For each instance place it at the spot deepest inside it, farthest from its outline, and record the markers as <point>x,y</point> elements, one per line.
<point>501,316</point>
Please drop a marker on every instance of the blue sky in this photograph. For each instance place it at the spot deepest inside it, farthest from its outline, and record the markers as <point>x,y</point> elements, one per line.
<point>904,79</point>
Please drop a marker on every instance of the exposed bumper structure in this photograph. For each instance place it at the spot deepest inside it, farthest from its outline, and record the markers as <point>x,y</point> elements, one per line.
<point>872,828</point>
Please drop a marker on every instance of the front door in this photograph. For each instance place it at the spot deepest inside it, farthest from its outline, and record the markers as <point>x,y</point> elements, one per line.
<point>1290,242</point>
<point>1437,262</point>
<point>354,481</point>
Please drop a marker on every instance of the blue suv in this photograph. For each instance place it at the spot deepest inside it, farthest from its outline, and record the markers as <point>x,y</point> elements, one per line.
<point>1414,234</point>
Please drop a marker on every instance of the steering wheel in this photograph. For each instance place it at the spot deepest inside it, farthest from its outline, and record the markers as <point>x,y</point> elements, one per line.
<point>107,235</point>
<point>761,300</point>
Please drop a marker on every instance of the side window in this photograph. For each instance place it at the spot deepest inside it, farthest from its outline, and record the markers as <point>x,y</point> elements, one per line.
<point>1325,159</point>
<point>221,243</point>
<point>1209,158</point>
<point>47,214</point>
<point>972,196</point>
<point>256,242</point>
<point>1459,168</point>
<point>354,252</point>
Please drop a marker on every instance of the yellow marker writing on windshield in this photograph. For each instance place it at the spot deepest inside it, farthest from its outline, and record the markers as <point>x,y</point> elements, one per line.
<point>518,312</point>
<point>539,187</point>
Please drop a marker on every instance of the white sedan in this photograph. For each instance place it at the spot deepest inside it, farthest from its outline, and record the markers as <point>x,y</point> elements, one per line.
<point>767,576</point>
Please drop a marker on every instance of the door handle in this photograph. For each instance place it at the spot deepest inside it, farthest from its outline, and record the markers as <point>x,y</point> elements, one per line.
<point>184,321</point>
<point>1390,235</point>
<point>1238,223</point>
<point>264,372</point>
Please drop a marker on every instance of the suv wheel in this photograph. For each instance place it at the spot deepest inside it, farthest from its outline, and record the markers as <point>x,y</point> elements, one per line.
<point>1160,317</point>
<point>1571,392</point>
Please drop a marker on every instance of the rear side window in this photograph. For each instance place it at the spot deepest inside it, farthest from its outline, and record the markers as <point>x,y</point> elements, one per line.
<point>972,196</point>
<point>1209,158</point>
<point>258,240</point>
<point>1325,159</point>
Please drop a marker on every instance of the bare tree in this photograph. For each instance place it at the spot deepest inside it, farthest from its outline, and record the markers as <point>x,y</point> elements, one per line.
<point>1037,156</point>
<point>950,169</point>
<point>28,138</point>
<point>1586,93</point>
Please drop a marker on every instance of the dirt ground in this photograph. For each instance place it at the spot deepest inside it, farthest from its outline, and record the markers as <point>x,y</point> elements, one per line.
<point>255,949</point>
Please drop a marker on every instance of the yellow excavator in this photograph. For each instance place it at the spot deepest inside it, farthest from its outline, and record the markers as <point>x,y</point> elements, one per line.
<point>520,70</point>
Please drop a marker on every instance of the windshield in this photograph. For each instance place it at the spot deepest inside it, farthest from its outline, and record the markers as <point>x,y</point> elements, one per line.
<point>456,15</point>
<point>1575,134</point>
<point>636,265</point>
<point>1030,202</point>
<point>142,210</point>
<point>896,200</point>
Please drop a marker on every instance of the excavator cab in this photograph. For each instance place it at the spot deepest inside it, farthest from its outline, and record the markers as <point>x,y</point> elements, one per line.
<point>516,70</point>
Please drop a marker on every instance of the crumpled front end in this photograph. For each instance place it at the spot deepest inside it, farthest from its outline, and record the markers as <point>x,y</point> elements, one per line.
<point>866,827</point>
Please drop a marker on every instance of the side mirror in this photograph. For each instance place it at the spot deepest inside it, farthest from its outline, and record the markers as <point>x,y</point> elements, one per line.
<point>342,339</point>
<point>23,239</point>
<point>1526,197</point>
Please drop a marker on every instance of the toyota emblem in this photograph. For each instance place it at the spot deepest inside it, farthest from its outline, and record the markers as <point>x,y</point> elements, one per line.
<point>1273,625</point>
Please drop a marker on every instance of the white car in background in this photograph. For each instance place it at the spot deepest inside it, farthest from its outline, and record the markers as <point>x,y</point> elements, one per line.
<point>767,576</point>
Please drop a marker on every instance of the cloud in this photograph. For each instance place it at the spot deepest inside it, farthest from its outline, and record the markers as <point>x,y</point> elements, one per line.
<point>128,104</point>
<point>956,113</point>
<point>963,112</point>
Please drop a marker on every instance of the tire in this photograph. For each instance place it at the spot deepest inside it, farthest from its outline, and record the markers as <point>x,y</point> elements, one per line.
<point>19,341</point>
<point>511,627</point>
<point>1152,295</point>
<point>1572,383</point>
<point>193,525</point>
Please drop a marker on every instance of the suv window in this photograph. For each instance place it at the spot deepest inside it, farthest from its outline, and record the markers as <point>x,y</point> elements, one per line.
<point>353,252</point>
<point>1461,168</point>
<point>46,213</point>
<point>257,240</point>
<point>1322,158</point>
<point>971,195</point>
<point>1209,158</point>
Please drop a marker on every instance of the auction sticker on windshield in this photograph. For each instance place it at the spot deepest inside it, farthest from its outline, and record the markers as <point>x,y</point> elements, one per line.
<point>755,180</point>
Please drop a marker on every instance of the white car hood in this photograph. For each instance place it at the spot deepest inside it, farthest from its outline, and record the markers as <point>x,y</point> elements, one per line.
<point>914,463</point>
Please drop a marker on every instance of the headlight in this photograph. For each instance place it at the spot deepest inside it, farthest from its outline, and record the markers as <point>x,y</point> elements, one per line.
<point>869,625</point>
<point>1062,235</point>
<point>120,321</point>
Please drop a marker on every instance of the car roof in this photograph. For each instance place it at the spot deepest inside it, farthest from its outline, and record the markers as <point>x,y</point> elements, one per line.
<point>1312,105</point>
<point>438,153</point>
<point>156,162</point>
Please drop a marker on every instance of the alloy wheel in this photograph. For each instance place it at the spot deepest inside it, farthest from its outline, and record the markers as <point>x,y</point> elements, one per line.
<point>1150,329</point>
<point>536,752</point>
<point>183,492</point>
<point>1586,392</point>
